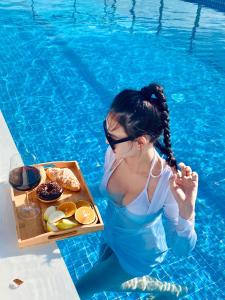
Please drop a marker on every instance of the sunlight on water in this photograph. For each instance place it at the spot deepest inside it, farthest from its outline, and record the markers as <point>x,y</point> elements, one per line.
<point>61,64</point>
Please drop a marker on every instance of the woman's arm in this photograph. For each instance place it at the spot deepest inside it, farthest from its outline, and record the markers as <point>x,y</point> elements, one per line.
<point>180,233</point>
<point>179,210</point>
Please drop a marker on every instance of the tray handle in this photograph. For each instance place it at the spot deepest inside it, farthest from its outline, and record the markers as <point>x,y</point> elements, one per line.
<point>63,235</point>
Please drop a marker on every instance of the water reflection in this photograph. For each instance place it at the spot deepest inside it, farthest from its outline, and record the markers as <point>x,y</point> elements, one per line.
<point>196,24</point>
<point>34,14</point>
<point>74,14</point>
<point>113,7</point>
<point>110,17</point>
<point>105,11</point>
<point>160,16</point>
<point>132,12</point>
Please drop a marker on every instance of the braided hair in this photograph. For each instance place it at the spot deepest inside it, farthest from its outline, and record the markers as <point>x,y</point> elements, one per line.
<point>145,112</point>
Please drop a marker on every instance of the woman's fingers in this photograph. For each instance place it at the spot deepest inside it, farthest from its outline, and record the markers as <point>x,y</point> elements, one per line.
<point>185,170</point>
<point>188,171</point>
<point>194,176</point>
<point>182,167</point>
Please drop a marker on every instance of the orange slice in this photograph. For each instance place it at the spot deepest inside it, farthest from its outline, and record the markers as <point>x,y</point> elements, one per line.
<point>81,203</point>
<point>68,208</point>
<point>85,215</point>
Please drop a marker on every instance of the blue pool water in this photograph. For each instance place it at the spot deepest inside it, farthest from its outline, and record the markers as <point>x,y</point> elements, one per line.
<point>61,64</point>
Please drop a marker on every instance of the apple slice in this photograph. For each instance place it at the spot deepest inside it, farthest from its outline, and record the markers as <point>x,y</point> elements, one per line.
<point>48,211</point>
<point>55,216</point>
<point>52,227</point>
<point>66,224</point>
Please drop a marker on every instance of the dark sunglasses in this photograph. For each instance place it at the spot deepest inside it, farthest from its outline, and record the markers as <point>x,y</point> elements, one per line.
<point>113,142</point>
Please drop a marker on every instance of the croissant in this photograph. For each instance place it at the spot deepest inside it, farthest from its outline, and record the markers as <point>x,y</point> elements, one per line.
<point>65,177</point>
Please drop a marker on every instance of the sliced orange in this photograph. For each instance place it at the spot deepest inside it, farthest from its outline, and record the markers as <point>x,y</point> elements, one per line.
<point>81,203</point>
<point>85,215</point>
<point>68,208</point>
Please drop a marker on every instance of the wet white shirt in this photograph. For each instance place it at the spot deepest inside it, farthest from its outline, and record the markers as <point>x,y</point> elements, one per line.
<point>141,232</point>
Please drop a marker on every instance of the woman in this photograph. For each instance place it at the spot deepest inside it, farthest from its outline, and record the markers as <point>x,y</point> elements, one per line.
<point>142,188</point>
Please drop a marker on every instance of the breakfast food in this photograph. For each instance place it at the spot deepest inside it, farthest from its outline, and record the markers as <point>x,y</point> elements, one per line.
<point>56,216</point>
<point>85,215</point>
<point>51,227</point>
<point>48,211</point>
<point>65,177</point>
<point>49,191</point>
<point>68,208</point>
<point>66,224</point>
<point>81,203</point>
<point>59,217</point>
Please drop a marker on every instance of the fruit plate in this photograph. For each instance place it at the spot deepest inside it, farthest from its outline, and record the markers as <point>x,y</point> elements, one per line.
<point>33,232</point>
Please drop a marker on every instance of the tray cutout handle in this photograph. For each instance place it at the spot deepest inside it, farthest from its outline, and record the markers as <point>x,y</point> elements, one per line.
<point>64,235</point>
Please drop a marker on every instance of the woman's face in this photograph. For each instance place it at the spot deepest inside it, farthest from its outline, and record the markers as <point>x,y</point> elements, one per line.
<point>117,132</point>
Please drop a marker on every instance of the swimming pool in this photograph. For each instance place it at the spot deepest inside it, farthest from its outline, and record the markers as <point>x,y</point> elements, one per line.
<point>61,64</point>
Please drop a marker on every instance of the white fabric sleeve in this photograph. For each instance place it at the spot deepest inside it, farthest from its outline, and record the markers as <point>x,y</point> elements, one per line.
<point>180,233</point>
<point>171,212</point>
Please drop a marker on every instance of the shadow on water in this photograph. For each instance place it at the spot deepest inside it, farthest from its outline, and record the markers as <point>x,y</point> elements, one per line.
<point>75,60</point>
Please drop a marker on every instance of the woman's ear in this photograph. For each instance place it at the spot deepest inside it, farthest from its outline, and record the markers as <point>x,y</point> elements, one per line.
<point>141,141</point>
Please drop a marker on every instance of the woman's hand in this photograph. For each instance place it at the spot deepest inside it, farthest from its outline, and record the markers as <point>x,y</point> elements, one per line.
<point>184,186</point>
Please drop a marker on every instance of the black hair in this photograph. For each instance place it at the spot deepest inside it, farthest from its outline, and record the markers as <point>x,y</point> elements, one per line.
<point>145,112</point>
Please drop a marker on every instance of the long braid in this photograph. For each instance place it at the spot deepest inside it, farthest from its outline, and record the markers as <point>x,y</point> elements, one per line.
<point>160,102</point>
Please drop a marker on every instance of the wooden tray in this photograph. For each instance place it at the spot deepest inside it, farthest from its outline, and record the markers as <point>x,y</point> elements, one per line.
<point>32,232</point>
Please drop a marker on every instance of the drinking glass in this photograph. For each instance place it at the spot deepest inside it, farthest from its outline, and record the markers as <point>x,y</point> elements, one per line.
<point>24,178</point>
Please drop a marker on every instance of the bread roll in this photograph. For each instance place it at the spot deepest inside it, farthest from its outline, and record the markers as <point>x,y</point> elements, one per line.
<point>65,177</point>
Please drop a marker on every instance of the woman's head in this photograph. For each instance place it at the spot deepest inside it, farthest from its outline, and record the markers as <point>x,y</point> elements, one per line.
<point>137,119</point>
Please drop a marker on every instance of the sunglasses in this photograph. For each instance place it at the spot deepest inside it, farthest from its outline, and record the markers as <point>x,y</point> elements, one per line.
<point>112,142</point>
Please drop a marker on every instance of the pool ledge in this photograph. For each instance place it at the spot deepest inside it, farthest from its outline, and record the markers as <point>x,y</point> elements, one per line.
<point>41,268</point>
